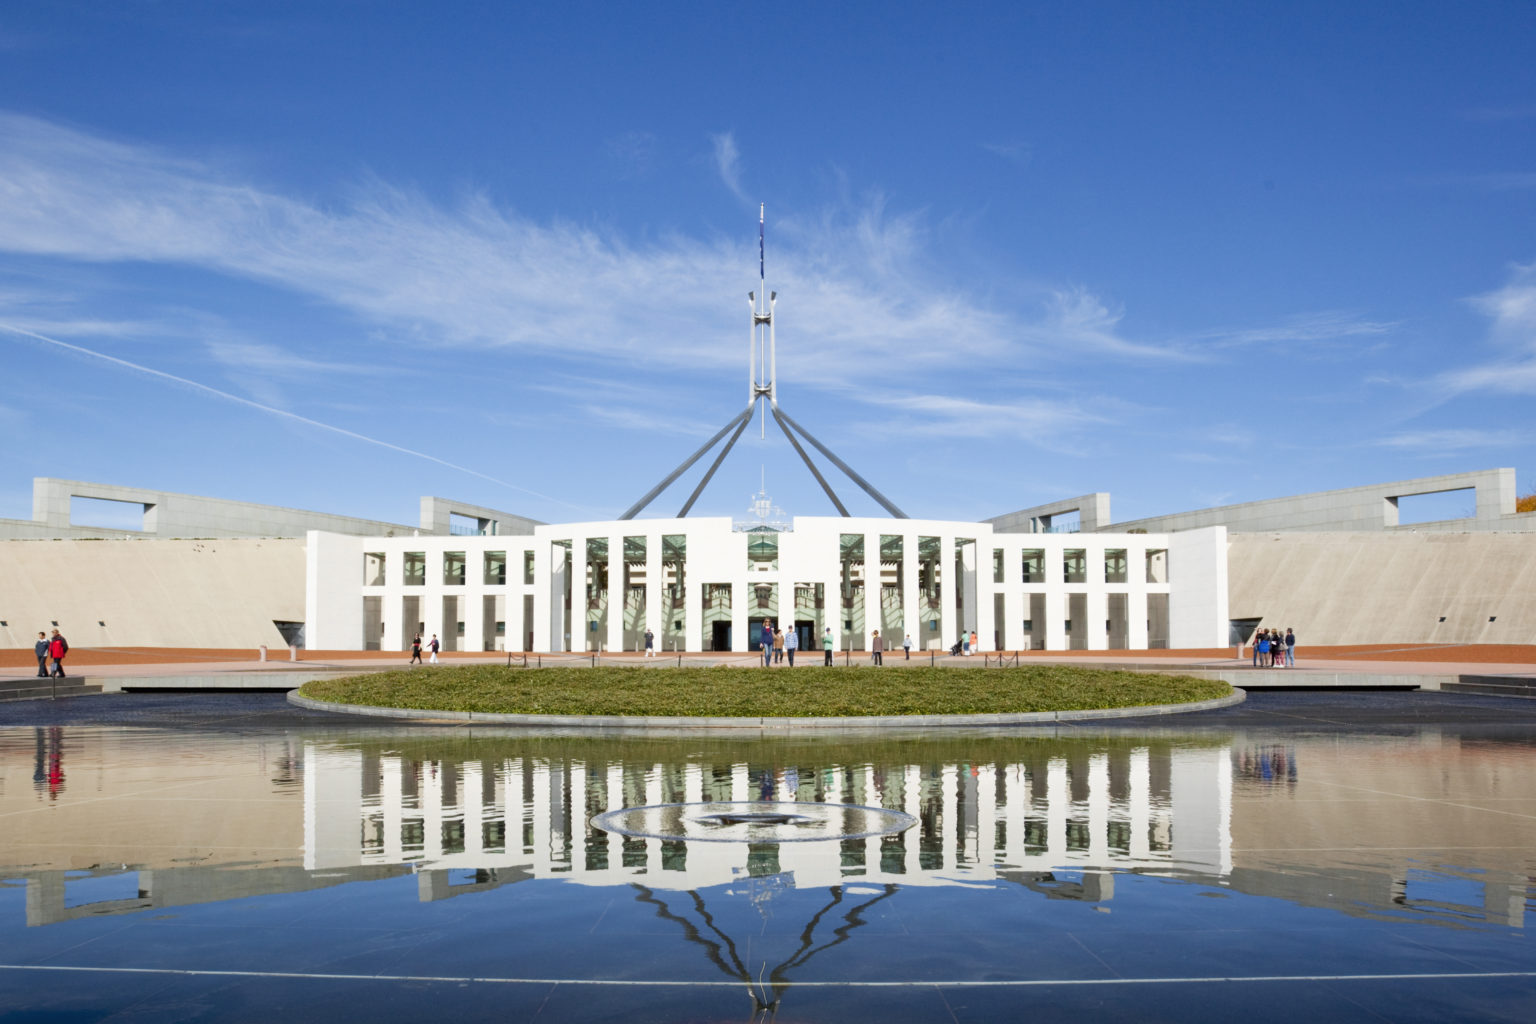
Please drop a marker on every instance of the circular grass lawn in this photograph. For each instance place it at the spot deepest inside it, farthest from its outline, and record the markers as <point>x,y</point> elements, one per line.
<point>737,692</point>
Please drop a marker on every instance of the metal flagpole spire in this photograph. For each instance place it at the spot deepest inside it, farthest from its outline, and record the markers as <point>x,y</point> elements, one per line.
<point>762,387</point>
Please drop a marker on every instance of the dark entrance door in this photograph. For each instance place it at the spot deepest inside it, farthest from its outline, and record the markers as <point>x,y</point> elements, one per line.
<point>807,635</point>
<point>721,640</point>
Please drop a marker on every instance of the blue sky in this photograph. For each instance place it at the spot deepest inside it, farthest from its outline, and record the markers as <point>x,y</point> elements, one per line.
<point>339,256</point>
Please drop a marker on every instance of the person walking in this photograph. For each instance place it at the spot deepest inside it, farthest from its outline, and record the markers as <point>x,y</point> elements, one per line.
<point>41,649</point>
<point>1290,648</point>
<point>906,646</point>
<point>434,645</point>
<point>973,648</point>
<point>415,650</point>
<point>877,648</point>
<point>1258,639</point>
<point>826,645</point>
<point>778,647</point>
<point>766,641</point>
<point>965,644</point>
<point>650,643</point>
<point>57,648</point>
<point>791,644</point>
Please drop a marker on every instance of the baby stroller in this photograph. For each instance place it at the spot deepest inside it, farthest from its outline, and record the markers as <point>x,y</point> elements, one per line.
<point>955,650</point>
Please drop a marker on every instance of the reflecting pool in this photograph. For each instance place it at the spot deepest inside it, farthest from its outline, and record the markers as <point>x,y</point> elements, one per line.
<point>418,875</point>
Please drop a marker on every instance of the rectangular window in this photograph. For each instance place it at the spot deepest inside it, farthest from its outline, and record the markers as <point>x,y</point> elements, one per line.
<point>527,567</point>
<point>1115,565</point>
<point>373,569</point>
<point>414,564</point>
<point>997,565</point>
<point>495,568</point>
<point>762,551</point>
<point>1034,565</point>
<point>453,568</point>
<point>1074,565</point>
<point>1157,566</point>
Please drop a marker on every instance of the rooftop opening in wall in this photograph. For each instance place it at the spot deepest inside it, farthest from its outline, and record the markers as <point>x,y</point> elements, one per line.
<point>465,526</point>
<point>107,514</point>
<point>1066,522</point>
<point>1433,508</point>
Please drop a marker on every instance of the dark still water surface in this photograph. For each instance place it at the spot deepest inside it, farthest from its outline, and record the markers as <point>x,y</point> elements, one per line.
<point>157,875</point>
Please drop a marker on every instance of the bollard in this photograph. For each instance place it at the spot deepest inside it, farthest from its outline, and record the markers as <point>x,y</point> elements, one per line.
<point>293,652</point>
<point>261,653</point>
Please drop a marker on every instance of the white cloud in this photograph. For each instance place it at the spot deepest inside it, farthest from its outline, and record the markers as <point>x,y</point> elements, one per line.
<point>1454,440</point>
<point>728,162</point>
<point>1017,153</point>
<point>1038,422</point>
<point>1303,329</point>
<point>1511,310</point>
<point>858,293</point>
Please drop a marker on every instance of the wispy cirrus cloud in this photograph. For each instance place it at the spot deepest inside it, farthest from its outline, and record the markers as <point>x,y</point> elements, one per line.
<point>1310,329</point>
<point>728,162</point>
<point>854,282</point>
<point>1511,312</point>
<point>1035,421</point>
<point>1020,154</point>
<point>1454,440</point>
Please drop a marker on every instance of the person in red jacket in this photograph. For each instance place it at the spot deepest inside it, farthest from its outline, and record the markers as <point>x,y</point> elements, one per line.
<point>57,648</point>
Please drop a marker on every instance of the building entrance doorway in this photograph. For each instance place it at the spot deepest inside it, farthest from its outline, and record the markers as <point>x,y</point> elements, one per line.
<point>720,640</point>
<point>806,634</point>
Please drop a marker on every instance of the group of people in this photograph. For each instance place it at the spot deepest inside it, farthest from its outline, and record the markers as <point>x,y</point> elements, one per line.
<point>776,643</point>
<point>51,649</point>
<point>416,646</point>
<point>965,645</point>
<point>1274,650</point>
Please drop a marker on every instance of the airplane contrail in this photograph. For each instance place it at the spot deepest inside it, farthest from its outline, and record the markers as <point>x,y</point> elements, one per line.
<point>81,350</point>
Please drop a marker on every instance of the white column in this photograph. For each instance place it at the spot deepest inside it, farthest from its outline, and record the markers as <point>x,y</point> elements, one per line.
<point>949,609</point>
<point>395,627</point>
<point>1098,611</point>
<point>1056,612</point>
<point>986,610</point>
<point>693,610</point>
<point>873,598</point>
<point>1013,616</point>
<point>655,586</point>
<point>1136,617</point>
<point>580,625</point>
<point>432,598</point>
<point>968,582</point>
<point>910,613</point>
<point>739,592</point>
<point>472,602</point>
<point>618,595</point>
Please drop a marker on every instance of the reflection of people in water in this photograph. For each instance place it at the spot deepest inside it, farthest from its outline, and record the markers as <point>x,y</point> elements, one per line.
<point>48,765</point>
<point>765,786</point>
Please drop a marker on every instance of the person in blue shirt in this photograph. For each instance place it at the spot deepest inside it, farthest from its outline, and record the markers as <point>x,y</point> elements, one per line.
<point>767,638</point>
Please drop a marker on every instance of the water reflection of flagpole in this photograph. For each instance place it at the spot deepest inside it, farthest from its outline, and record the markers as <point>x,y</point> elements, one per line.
<point>718,952</point>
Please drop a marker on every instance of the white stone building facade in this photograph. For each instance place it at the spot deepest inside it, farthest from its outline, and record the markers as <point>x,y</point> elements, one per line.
<point>702,585</point>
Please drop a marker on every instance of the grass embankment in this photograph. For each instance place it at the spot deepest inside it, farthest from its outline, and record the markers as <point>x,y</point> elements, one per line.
<point>755,692</point>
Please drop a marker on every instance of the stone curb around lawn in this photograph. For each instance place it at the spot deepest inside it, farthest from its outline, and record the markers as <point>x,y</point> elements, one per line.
<point>671,722</point>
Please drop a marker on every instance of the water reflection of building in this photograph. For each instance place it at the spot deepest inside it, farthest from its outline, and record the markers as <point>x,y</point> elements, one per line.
<point>1123,808</point>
